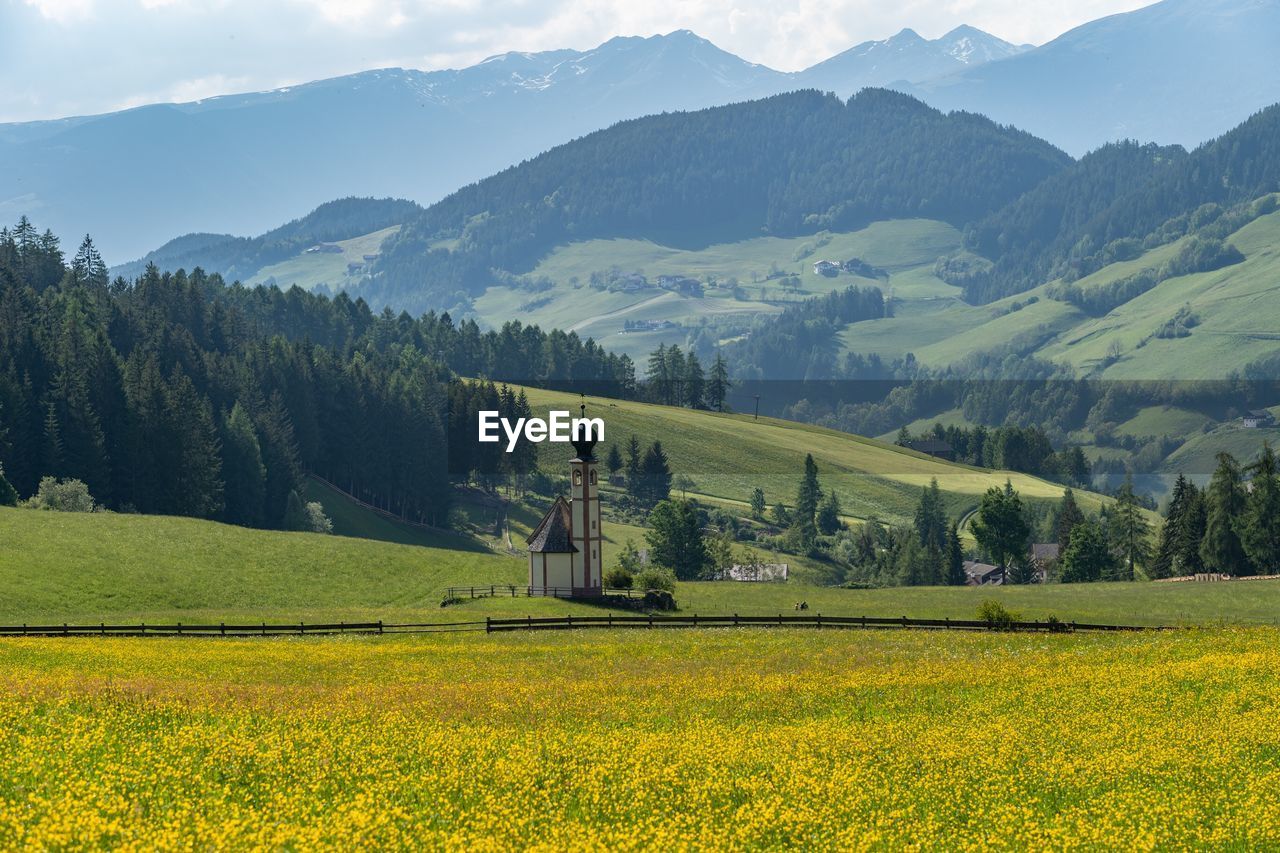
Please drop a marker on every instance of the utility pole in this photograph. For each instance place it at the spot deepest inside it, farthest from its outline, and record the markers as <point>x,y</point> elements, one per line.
<point>756,416</point>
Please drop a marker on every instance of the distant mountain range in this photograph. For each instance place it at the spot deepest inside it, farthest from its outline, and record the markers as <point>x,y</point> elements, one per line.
<point>1180,71</point>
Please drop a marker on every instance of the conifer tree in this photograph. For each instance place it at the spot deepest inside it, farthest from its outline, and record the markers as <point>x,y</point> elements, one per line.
<point>808,495</point>
<point>1130,530</point>
<point>8,497</point>
<point>613,461</point>
<point>244,475</point>
<point>1065,520</point>
<point>931,518</point>
<point>828,519</point>
<point>1221,549</point>
<point>694,383</point>
<point>1260,524</point>
<point>718,384</point>
<point>655,475</point>
<point>757,503</point>
<point>955,557</point>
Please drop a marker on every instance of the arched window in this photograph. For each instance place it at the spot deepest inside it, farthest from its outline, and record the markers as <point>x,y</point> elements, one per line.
<point>593,477</point>
<point>577,478</point>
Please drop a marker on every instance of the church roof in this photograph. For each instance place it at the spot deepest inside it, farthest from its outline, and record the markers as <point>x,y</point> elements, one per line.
<point>554,534</point>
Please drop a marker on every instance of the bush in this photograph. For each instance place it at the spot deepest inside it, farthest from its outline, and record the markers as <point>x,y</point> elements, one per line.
<point>655,579</point>
<point>62,496</point>
<point>317,521</point>
<point>997,616</point>
<point>618,578</point>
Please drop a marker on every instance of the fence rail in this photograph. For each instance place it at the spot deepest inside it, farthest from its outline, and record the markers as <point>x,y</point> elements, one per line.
<point>221,629</point>
<point>816,621</point>
<point>516,591</point>
<point>551,623</point>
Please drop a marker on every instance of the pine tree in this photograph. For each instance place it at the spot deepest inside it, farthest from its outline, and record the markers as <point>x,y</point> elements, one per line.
<point>1066,519</point>
<point>1165,562</point>
<point>757,503</point>
<point>1260,524</point>
<point>808,495</point>
<point>660,375</point>
<point>295,513</point>
<point>655,475</point>
<point>904,437</point>
<point>955,557</point>
<point>828,519</point>
<point>694,383</point>
<point>931,518</point>
<point>8,497</point>
<point>1130,530</point>
<point>613,461</point>
<point>88,267</point>
<point>195,483</point>
<point>244,475</point>
<point>634,486</point>
<point>719,384</point>
<point>1221,549</point>
<point>1090,557</point>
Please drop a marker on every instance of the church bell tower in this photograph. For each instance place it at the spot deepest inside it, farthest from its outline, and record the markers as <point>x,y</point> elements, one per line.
<point>588,561</point>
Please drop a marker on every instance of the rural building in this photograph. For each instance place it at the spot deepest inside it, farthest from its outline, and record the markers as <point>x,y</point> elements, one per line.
<point>1258,418</point>
<point>566,557</point>
<point>756,573</point>
<point>933,447</point>
<point>1043,557</point>
<point>827,268</point>
<point>982,574</point>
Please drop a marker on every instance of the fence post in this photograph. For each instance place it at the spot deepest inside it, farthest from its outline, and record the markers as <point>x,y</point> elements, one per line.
<point>735,620</point>
<point>610,620</point>
<point>379,626</point>
<point>264,629</point>
<point>487,627</point>
<point>651,621</point>
<point>864,622</point>
<point>569,620</point>
<point>65,632</point>
<point>819,621</point>
<point>948,626</point>
<point>695,620</point>
<point>223,625</point>
<point>302,629</point>
<point>904,622</point>
<point>102,626</point>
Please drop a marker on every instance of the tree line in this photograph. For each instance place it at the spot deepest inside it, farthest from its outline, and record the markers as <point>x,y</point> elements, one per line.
<point>176,393</point>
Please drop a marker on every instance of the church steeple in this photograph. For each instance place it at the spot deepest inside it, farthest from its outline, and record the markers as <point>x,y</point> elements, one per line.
<point>584,444</point>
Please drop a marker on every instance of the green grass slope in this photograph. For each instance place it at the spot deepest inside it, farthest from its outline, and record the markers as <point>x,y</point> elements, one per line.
<point>90,567</point>
<point>309,270</point>
<point>906,249</point>
<point>729,455</point>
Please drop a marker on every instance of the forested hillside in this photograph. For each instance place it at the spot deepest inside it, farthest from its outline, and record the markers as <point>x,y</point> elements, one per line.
<point>1117,201</point>
<point>179,394</point>
<point>241,257</point>
<point>786,165</point>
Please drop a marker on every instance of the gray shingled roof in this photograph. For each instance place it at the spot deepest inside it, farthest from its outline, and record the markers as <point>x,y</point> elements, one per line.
<point>554,534</point>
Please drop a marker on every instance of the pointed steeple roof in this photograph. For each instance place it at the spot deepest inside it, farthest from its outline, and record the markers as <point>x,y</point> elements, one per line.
<point>554,534</point>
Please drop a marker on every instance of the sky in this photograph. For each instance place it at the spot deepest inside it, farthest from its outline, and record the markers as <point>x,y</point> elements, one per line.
<point>78,57</point>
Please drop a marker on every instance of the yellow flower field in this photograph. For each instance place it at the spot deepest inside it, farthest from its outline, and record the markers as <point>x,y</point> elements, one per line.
<point>671,740</point>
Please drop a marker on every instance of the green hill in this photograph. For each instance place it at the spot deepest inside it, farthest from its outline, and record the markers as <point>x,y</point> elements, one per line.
<point>91,567</point>
<point>729,455</point>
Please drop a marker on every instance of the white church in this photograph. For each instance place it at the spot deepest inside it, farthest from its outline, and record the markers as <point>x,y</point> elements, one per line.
<point>566,555</point>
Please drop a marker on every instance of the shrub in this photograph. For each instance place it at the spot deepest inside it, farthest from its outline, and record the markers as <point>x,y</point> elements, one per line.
<point>618,578</point>
<point>317,521</point>
<point>62,496</point>
<point>655,579</point>
<point>997,616</point>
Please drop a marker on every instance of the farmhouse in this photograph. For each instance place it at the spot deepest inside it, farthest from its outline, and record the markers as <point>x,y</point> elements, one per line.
<point>827,268</point>
<point>566,556</point>
<point>933,447</point>
<point>982,574</point>
<point>1258,418</point>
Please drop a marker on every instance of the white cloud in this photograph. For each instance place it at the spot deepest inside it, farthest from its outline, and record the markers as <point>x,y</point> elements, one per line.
<point>62,11</point>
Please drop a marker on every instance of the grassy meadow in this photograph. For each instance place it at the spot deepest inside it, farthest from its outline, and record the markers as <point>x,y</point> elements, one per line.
<point>643,740</point>
<point>728,455</point>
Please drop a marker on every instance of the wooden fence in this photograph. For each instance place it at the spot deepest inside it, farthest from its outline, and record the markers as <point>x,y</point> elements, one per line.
<point>817,621</point>
<point>549,623</point>
<point>514,591</point>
